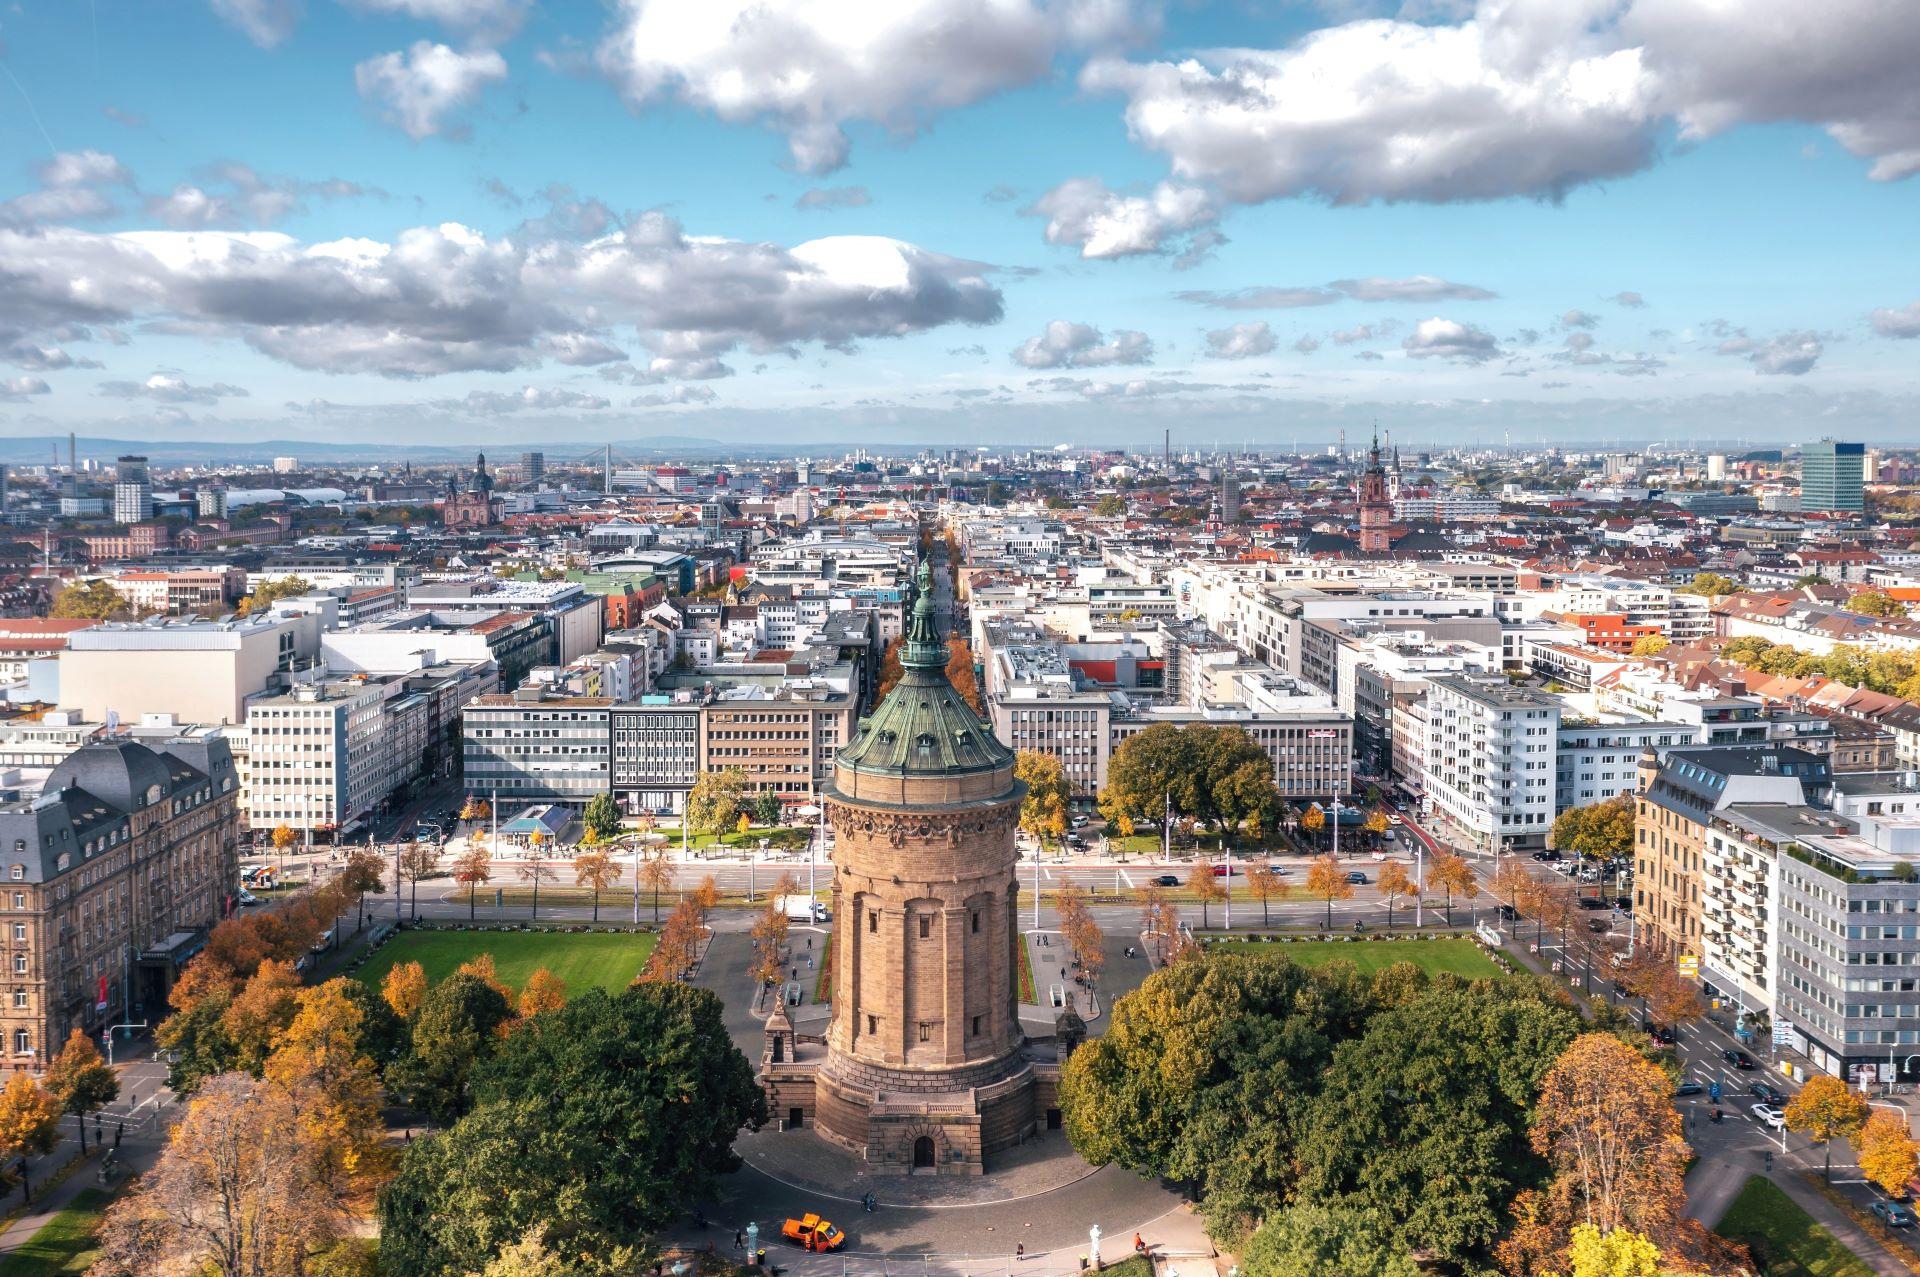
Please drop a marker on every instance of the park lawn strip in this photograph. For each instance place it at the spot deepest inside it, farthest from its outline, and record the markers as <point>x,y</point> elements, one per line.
<point>64,1244</point>
<point>1785,1237</point>
<point>1461,957</point>
<point>604,959</point>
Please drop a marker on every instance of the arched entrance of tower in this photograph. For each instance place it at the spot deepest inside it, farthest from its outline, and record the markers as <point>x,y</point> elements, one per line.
<point>923,1153</point>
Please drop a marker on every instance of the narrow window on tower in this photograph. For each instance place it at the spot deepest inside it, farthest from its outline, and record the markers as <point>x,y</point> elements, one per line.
<point>926,926</point>
<point>873,1025</point>
<point>873,920</point>
<point>926,1030</point>
<point>976,920</point>
<point>976,1026</point>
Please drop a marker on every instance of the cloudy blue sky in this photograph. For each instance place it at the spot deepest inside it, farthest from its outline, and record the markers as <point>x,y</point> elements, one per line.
<point>960,220</point>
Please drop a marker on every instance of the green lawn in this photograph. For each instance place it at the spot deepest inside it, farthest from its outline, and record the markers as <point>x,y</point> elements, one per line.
<point>583,959</point>
<point>1784,1237</point>
<point>1462,957</point>
<point>64,1244</point>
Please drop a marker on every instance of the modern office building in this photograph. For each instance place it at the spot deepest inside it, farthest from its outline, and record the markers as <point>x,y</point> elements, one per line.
<point>533,468</point>
<point>132,491</point>
<point>1831,476</point>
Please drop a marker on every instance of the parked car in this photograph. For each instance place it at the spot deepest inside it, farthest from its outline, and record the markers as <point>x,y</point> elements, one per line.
<point>1356,876</point>
<point>1592,902</point>
<point>1546,857</point>
<point>810,1232</point>
<point>1739,1059</point>
<point>1767,1094</point>
<point>1688,1088</point>
<point>1509,914</point>
<point>1896,1214</point>
<point>1768,1116</point>
<point>1166,880</point>
<point>247,898</point>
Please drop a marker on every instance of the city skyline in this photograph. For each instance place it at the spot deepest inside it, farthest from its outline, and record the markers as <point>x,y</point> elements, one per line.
<point>495,223</point>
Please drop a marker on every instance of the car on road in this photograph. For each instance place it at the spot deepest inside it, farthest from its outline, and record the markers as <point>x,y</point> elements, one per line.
<point>1767,1094</point>
<point>247,898</point>
<point>1768,1116</point>
<point>812,1233</point>
<point>1896,1214</point>
<point>1078,822</point>
<point>1356,876</point>
<point>1395,818</point>
<point>1592,902</point>
<point>1739,1059</point>
<point>1664,1036</point>
<point>1598,925</point>
<point>1547,857</point>
<point>1222,871</point>
<point>1509,914</point>
<point>1166,880</point>
<point>1688,1088</point>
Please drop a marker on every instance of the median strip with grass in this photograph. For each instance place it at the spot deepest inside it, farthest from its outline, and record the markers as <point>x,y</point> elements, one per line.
<point>1786,1241</point>
<point>64,1244</point>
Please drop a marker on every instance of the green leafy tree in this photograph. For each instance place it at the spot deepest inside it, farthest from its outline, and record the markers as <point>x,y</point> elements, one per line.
<point>1110,507</point>
<point>1712,584</point>
<point>267,593</point>
<point>601,818</point>
<point>454,1029</point>
<point>1043,812</point>
<point>1425,1115</point>
<point>1214,1052</point>
<point>767,808</point>
<point>1877,603</point>
<point>94,600</point>
<point>596,1121</point>
<point>714,803</point>
<point>1328,1239</point>
<point>1598,830</point>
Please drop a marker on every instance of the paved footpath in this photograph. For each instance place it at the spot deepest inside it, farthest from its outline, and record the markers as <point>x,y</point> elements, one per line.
<point>1715,1181</point>
<point>142,1093</point>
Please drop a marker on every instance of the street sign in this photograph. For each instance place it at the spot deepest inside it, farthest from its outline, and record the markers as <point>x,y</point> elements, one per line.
<point>1782,1033</point>
<point>1690,965</point>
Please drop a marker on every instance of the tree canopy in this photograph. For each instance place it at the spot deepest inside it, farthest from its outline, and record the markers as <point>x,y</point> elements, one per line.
<point>1198,768</point>
<point>595,1121</point>
<point>1043,812</point>
<point>1602,830</point>
<point>716,801</point>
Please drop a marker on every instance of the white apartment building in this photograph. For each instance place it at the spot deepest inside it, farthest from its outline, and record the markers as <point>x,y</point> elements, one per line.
<point>1490,759</point>
<point>1597,758</point>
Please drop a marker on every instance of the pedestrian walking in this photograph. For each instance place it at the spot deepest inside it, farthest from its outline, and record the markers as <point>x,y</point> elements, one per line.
<point>119,1129</point>
<point>1020,1251</point>
<point>739,1240</point>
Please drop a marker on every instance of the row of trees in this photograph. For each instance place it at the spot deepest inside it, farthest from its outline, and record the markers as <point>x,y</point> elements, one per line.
<point>76,1081</point>
<point>1329,1123</point>
<point>1891,673</point>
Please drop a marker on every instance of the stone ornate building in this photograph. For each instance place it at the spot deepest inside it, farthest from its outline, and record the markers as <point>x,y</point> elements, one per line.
<point>476,507</point>
<point>922,1067</point>
<point>1376,506</point>
<point>110,879</point>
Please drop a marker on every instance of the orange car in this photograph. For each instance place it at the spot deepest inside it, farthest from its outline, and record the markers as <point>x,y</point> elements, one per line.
<point>810,1232</point>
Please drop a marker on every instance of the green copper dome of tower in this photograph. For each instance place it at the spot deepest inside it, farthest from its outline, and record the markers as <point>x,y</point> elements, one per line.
<point>924,726</point>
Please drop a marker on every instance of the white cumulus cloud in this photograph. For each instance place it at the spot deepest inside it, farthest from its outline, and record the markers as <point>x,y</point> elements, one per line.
<point>422,90</point>
<point>1242,341</point>
<point>809,68</point>
<point>1438,338</point>
<point>1084,213</point>
<point>1069,345</point>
